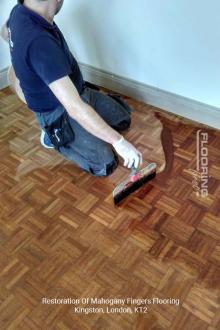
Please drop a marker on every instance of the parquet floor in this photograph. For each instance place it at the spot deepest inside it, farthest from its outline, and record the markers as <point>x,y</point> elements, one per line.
<point>61,236</point>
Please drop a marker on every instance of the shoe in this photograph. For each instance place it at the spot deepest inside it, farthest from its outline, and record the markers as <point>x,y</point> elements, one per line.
<point>45,141</point>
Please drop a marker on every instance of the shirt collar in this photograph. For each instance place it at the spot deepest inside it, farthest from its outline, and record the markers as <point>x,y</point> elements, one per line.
<point>37,18</point>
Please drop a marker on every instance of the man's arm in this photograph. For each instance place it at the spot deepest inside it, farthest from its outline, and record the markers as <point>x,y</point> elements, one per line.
<point>85,115</point>
<point>12,79</point>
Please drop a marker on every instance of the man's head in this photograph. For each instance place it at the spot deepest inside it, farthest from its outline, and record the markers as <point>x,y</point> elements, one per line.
<point>56,3</point>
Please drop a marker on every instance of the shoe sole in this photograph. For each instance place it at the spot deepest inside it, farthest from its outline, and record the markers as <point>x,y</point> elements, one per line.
<point>42,141</point>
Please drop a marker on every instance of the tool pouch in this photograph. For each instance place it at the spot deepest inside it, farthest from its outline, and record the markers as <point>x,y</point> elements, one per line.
<point>60,131</point>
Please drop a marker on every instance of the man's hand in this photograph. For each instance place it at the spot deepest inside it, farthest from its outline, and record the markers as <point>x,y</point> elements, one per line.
<point>15,84</point>
<point>131,156</point>
<point>4,32</point>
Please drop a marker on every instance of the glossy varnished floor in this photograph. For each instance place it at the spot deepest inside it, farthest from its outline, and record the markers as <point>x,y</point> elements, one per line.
<point>61,236</point>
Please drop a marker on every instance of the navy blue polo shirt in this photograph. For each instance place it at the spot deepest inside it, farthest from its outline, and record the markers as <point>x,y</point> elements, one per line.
<point>40,56</point>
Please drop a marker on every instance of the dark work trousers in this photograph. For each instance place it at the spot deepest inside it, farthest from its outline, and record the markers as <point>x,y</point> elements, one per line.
<point>90,153</point>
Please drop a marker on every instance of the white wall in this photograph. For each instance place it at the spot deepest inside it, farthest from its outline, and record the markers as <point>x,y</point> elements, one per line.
<point>172,45</point>
<point>5,8</point>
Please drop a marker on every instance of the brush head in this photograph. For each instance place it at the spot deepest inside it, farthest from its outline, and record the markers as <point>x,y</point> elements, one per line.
<point>134,182</point>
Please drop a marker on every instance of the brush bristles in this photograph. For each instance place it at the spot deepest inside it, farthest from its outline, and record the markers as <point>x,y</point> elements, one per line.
<point>133,187</point>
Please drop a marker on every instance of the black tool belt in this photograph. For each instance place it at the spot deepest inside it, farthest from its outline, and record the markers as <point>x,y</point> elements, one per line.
<point>60,131</point>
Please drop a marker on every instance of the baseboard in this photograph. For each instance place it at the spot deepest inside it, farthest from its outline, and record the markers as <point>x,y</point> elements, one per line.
<point>3,78</point>
<point>179,105</point>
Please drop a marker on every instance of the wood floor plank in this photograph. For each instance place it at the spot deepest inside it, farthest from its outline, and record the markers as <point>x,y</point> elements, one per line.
<point>62,237</point>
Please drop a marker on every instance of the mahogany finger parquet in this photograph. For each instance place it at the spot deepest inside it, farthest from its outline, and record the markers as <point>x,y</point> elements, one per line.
<point>61,236</point>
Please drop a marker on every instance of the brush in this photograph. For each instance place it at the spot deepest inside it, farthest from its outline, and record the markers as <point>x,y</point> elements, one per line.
<point>136,180</point>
